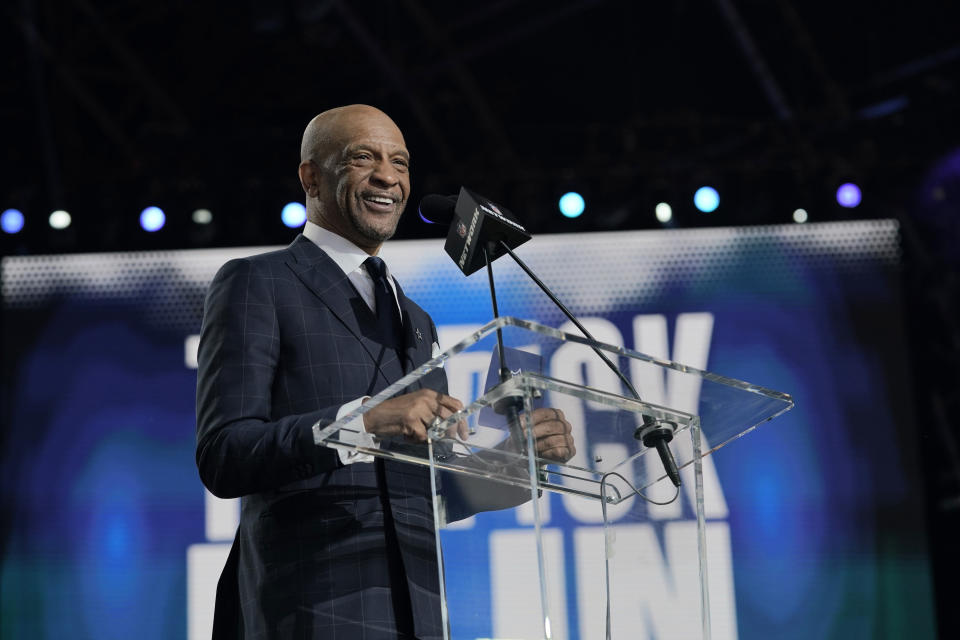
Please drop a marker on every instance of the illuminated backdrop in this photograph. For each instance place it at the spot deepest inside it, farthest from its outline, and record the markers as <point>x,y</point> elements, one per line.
<point>823,510</point>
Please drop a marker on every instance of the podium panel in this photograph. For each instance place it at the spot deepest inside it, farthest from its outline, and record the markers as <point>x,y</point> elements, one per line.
<point>485,467</point>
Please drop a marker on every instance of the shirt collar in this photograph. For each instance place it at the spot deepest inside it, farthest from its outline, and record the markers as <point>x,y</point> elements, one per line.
<point>347,255</point>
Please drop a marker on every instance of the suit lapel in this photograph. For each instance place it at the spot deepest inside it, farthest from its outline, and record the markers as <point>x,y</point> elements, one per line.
<point>321,275</point>
<point>416,330</point>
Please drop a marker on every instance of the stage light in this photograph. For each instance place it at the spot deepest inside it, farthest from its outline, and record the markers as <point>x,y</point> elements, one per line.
<point>706,199</point>
<point>202,216</point>
<point>152,219</point>
<point>848,195</point>
<point>59,219</point>
<point>572,204</point>
<point>664,212</point>
<point>294,215</point>
<point>800,216</point>
<point>11,221</point>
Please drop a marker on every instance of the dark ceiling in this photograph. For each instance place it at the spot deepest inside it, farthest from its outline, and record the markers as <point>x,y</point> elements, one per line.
<point>111,106</point>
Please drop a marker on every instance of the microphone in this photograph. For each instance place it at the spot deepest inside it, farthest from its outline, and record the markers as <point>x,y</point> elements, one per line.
<point>479,229</point>
<point>656,434</point>
<point>437,209</point>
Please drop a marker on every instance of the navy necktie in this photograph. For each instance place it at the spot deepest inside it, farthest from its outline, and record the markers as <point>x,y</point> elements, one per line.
<point>387,312</point>
<point>391,336</point>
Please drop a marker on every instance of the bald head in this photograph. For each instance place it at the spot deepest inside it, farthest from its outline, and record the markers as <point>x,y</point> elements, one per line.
<point>354,168</point>
<point>327,132</point>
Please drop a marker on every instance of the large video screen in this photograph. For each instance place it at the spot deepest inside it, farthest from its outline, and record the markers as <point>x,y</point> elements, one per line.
<point>815,524</point>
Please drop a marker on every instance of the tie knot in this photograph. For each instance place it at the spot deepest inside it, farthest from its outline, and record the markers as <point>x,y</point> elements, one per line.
<point>376,267</point>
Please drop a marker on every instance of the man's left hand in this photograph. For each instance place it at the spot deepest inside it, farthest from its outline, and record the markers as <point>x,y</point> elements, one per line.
<point>551,431</point>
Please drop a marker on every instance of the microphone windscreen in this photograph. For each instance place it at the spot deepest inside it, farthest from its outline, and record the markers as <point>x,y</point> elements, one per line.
<point>437,209</point>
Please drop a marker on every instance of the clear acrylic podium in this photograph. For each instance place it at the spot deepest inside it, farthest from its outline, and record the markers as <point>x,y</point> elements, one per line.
<point>488,480</point>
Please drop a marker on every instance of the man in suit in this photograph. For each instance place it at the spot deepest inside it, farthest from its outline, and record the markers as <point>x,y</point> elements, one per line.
<point>330,545</point>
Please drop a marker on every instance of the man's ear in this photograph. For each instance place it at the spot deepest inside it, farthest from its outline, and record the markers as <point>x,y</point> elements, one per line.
<point>309,178</point>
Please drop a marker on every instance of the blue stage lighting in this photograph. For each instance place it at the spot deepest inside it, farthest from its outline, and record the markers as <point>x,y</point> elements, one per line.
<point>571,204</point>
<point>706,199</point>
<point>11,221</point>
<point>848,195</point>
<point>294,215</point>
<point>152,219</point>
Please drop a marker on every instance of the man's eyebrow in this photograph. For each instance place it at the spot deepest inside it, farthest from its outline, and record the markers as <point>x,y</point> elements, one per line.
<point>363,146</point>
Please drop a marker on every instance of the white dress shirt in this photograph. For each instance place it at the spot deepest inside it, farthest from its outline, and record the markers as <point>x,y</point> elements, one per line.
<point>349,257</point>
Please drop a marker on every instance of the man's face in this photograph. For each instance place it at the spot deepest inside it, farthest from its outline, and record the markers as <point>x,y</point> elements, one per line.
<point>366,179</point>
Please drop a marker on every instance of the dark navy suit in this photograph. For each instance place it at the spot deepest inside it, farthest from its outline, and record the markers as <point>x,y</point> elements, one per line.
<point>323,550</point>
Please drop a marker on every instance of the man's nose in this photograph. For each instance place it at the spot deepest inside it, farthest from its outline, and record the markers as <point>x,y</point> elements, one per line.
<point>385,173</point>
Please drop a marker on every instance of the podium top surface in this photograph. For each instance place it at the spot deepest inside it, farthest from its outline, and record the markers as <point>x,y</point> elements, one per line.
<point>552,368</point>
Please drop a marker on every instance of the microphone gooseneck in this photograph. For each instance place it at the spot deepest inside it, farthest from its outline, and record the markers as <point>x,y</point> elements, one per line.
<point>510,406</point>
<point>652,433</point>
<point>572,318</point>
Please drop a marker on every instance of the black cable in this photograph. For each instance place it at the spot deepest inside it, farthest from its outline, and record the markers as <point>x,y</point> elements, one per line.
<point>573,319</point>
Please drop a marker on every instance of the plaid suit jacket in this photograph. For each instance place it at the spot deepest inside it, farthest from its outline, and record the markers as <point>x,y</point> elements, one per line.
<point>286,341</point>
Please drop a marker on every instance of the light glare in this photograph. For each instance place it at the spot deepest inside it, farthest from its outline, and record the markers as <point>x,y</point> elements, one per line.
<point>800,216</point>
<point>664,212</point>
<point>572,204</point>
<point>848,195</point>
<point>59,219</point>
<point>294,215</point>
<point>152,219</point>
<point>202,216</point>
<point>706,199</point>
<point>11,221</point>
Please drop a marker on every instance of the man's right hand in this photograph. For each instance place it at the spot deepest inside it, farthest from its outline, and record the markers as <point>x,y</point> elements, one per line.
<point>411,414</point>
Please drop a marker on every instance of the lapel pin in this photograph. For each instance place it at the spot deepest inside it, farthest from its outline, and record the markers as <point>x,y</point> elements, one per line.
<point>419,335</point>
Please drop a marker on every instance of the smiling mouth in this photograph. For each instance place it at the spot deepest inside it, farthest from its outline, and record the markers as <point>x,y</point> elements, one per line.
<point>384,200</point>
<point>380,201</point>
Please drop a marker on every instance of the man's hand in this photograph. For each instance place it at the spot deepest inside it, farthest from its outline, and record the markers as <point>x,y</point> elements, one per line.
<point>411,415</point>
<point>551,431</point>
